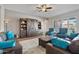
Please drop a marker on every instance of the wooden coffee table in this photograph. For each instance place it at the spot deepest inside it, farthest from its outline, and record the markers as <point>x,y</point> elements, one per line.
<point>44,40</point>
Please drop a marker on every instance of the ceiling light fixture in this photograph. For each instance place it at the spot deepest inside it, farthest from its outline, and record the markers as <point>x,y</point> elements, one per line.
<point>44,7</point>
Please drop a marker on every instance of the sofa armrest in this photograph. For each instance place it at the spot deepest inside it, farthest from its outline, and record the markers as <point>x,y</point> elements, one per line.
<point>50,49</point>
<point>14,50</point>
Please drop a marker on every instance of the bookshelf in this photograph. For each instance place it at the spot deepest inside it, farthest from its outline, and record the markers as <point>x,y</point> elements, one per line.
<point>23,28</point>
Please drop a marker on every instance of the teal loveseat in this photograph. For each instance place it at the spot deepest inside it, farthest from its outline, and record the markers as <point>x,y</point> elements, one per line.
<point>8,43</point>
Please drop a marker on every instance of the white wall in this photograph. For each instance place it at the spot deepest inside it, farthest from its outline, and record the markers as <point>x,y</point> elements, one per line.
<point>13,20</point>
<point>2,15</point>
<point>47,23</point>
<point>66,16</point>
<point>14,16</point>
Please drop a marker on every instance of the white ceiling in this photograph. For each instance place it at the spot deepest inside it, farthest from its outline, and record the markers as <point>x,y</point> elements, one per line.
<point>30,9</point>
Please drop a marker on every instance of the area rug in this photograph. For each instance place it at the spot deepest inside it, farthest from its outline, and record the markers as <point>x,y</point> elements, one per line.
<point>36,50</point>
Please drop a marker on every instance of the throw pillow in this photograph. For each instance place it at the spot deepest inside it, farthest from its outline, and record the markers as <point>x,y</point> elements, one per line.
<point>63,30</point>
<point>3,36</point>
<point>1,39</point>
<point>10,35</point>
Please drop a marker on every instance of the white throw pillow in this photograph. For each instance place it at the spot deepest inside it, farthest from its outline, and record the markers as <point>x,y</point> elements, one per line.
<point>1,39</point>
<point>76,38</point>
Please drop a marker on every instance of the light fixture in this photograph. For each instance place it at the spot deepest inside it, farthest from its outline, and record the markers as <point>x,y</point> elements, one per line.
<point>6,21</point>
<point>44,7</point>
<point>6,24</point>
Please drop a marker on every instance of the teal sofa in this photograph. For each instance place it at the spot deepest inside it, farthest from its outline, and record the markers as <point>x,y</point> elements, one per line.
<point>9,45</point>
<point>7,40</point>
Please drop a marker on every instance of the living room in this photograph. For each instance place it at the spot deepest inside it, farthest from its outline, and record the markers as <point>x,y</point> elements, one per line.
<point>34,25</point>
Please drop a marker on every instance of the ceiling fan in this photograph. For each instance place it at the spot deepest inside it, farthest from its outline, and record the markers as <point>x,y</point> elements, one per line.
<point>44,7</point>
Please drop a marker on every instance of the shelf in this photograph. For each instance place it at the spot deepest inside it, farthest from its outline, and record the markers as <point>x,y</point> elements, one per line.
<point>23,24</point>
<point>23,28</point>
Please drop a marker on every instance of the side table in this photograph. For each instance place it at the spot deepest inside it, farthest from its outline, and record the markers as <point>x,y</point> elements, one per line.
<point>44,40</point>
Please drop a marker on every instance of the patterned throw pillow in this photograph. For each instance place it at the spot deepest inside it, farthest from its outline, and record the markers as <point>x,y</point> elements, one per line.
<point>1,39</point>
<point>3,36</point>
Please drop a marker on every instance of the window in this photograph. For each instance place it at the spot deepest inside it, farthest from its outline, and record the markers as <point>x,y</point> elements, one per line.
<point>65,24</point>
<point>70,24</point>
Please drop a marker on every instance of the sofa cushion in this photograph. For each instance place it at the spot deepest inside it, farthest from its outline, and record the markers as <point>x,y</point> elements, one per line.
<point>50,33</point>
<point>10,35</point>
<point>73,35</point>
<point>7,44</point>
<point>63,30</point>
<point>51,29</point>
<point>61,43</point>
<point>76,38</point>
<point>61,35</point>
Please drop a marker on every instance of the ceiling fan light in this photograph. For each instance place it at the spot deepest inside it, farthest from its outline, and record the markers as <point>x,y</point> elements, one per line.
<point>43,9</point>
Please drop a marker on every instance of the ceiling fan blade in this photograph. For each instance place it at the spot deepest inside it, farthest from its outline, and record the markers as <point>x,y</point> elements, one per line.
<point>43,11</point>
<point>49,8</point>
<point>38,7</point>
<point>40,10</point>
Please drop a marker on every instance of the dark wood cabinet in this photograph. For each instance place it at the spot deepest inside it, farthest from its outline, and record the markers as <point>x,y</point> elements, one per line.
<point>29,27</point>
<point>23,27</point>
<point>39,25</point>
